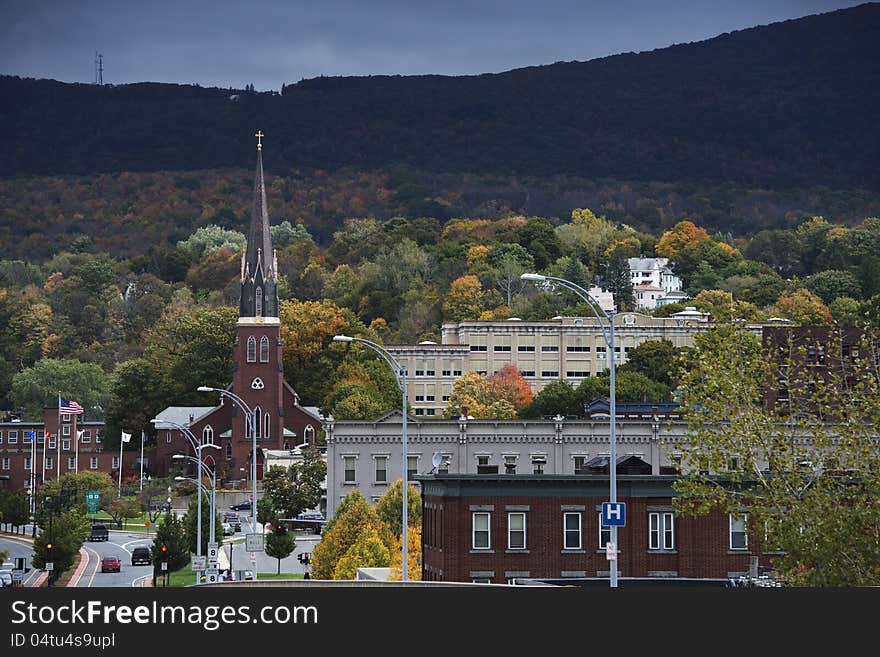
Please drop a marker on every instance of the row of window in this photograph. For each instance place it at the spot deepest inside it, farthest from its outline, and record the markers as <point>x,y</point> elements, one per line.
<point>545,349</point>
<point>661,531</point>
<point>49,463</point>
<point>12,436</point>
<point>252,349</point>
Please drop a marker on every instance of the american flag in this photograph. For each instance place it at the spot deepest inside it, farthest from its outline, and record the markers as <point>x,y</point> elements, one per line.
<point>69,406</point>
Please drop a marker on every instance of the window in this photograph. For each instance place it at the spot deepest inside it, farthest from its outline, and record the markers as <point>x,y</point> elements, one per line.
<point>601,350</point>
<point>49,463</point>
<point>115,463</point>
<point>739,540</point>
<point>528,372</point>
<point>604,533</point>
<point>510,464</point>
<point>348,467</point>
<point>456,372</point>
<point>259,301</point>
<point>65,444</point>
<point>571,531</point>
<point>538,463</point>
<point>65,430</point>
<point>412,466</point>
<point>264,349</point>
<point>71,463</point>
<point>208,435</point>
<point>420,372</point>
<point>516,531</point>
<point>258,413</point>
<point>229,451</point>
<point>5,464</point>
<point>51,442</point>
<point>420,398</point>
<point>501,347</point>
<point>445,398</point>
<point>65,417</point>
<point>577,348</point>
<point>661,531</point>
<point>252,349</point>
<point>420,411</point>
<point>87,436</point>
<point>446,373</point>
<point>12,437</point>
<point>266,426</point>
<point>577,374</point>
<point>429,397</point>
<point>93,463</point>
<point>1,438</point>
<point>429,372</point>
<point>478,347</point>
<point>526,347</point>
<point>579,464</point>
<point>381,469</point>
<point>483,459</point>
<point>27,462</point>
<point>549,348</point>
<point>481,535</point>
<point>550,374</point>
<point>430,411</point>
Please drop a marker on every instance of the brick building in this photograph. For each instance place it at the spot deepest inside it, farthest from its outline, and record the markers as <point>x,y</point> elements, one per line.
<point>496,528</point>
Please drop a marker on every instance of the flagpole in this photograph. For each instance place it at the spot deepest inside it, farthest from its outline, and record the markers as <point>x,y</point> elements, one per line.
<point>142,461</point>
<point>119,492</point>
<point>58,443</point>
<point>76,452</point>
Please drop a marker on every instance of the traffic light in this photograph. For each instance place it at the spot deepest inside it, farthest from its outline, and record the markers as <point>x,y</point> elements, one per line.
<point>305,558</point>
<point>164,550</point>
<point>280,529</point>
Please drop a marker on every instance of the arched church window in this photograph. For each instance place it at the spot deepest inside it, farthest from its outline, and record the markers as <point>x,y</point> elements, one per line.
<point>252,350</point>
<point>258,412</point>
<point>259,301</point>
<point>264,349</point>
<point>208,434</point>
<point>266,425</point>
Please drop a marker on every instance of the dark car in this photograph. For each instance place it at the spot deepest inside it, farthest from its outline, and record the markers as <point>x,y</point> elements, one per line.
<point>111,564</point>
<point>99,533</point>
<point>141,556</point>
<point>241,506</point>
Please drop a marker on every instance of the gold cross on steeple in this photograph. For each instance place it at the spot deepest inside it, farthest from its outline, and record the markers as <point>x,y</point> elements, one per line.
<point>259,137</point>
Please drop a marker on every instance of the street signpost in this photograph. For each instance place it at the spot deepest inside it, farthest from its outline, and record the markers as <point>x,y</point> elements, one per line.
<point>212,576</point>
<point>253,542</point>
<point>611,551</point>
<point>93,500</point>
<point>198,563</point>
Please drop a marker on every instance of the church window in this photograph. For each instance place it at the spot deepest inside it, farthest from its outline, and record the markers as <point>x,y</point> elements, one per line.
<point>208,435</point>
<point>259,301</point>
<point>252,350</point>
<point>264,349</point>
<point>257,413</point>
<point>266,425</point>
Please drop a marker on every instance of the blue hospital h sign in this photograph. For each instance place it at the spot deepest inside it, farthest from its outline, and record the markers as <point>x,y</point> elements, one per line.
<point>613,514</point>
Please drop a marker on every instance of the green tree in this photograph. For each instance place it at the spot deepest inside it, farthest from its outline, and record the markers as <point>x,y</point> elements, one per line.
<point>832,283</point>
<point>656,359</point>
<point>297,488</point>
<point>211,238</point>
<point>172,535</point>
<point>38,386</point>
<point>367,551</point>
<point>280,546</point>
<point>389,506</point>
<point>556,398</point>
<point>14,507</point>
<point>66,532</point>
<point>806,468</point>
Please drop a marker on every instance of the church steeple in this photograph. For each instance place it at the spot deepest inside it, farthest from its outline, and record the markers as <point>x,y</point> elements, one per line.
<point>259,277</point>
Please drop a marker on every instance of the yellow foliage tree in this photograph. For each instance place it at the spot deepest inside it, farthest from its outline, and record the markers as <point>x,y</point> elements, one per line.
<point>368,551</point>
<point>464,300</point>
<point>414,556</point>
<point>681,236</point>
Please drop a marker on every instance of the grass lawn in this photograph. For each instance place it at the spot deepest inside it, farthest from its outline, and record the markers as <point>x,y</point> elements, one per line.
<point>128,524</point>
<point>281,576</point>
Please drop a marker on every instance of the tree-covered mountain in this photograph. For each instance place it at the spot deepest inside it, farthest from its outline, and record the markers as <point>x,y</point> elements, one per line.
<point>792,104</point>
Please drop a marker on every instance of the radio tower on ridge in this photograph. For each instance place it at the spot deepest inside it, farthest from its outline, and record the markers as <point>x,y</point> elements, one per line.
<point>99,68</point>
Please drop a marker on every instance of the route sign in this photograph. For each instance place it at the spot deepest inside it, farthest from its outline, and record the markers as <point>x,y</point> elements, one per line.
<point>49,566</point>
<point>93,500</point>
<point>613,514</point>
<point>611,551</point>
<point>198,563</point>
<point>212,576</point>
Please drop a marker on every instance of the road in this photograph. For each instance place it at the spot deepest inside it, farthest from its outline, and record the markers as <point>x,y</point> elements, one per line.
<point>20,548</point>
<point>120,543</point>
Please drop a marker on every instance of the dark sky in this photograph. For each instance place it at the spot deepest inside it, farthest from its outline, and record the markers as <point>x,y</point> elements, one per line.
<point>270,42</point>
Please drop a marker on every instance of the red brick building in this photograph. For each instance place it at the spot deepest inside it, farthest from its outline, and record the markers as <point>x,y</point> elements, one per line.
<point>495,528</point>
<point>63,444</point>
<point>258,372</point>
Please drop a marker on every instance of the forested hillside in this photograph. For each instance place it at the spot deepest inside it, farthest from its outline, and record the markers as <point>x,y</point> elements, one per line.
<point>792,104</point>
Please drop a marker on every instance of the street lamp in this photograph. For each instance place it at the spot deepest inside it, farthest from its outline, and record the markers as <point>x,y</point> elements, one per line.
<point>400,377</point>
<point>608,335</point>
<point>197,446</point>
<point>249,414</point>
<point>203,469</point>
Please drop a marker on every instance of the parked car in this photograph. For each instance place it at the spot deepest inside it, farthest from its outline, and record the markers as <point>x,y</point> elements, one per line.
<point>232,519</point>
<point>228,530</point>
<point>111,564</point>
<point>99,533</point>
<point>310,515</point>
<point>5,578</point>
<point>141,556</point>
<point>241,506</point>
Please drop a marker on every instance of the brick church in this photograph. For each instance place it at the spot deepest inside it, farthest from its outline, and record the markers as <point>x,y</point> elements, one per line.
<point>258,373</point>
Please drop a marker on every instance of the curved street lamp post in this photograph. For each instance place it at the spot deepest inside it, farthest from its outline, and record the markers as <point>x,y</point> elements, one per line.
<point>197,446</point>
<point>203,469</point>
<point>400,377</point>
<point>253,422</point>
<point>608,336</point>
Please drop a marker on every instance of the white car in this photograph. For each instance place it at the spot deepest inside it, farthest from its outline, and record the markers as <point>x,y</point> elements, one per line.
<point>5,578</point>
<point>228,530</point>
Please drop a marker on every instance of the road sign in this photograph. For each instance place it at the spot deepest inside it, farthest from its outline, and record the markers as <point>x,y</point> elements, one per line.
<point>212,576</point>
<point>198,563</point>
<point>49,566</point>
<point>613,514</point>
<point>93,500</point>
<point>164,565</point>
<point>611,551</point>
<point>17,576</point>
<point>253,542</point>
<point>212,551</point>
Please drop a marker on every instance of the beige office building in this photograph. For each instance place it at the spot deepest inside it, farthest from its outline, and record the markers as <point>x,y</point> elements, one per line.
<point>567,348</point>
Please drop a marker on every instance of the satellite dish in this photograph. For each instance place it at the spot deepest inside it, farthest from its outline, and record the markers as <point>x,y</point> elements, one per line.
<point>437,459</point>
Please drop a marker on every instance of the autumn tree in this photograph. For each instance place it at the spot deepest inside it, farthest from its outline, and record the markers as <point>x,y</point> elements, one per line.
<point>367,551</point>
<point>389,507</point>
<point>473,392</point>
<point>509,384</point>
<point>802,307</point>
<point>414,556</point>
<point>683,235</point>
<point>465,299</point>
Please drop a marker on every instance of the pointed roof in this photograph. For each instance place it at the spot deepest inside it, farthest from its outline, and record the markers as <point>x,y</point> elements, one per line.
<point>259,244</point>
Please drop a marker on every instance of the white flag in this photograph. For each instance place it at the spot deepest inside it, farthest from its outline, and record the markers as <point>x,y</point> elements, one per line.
<point>126,437</point>
<point>79,434</point>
